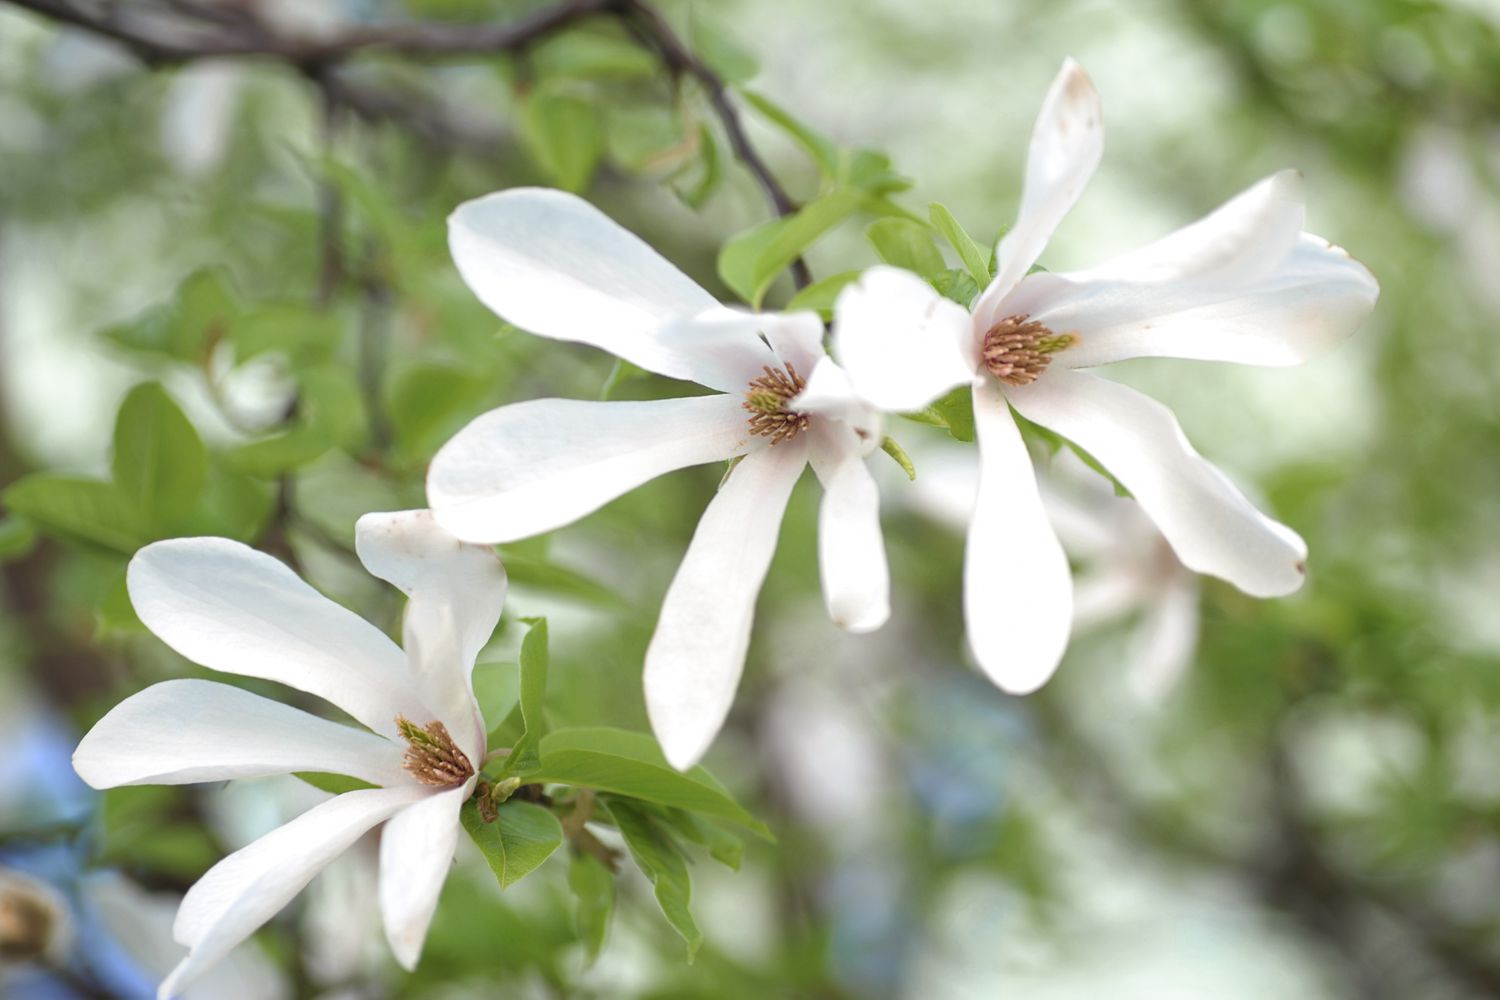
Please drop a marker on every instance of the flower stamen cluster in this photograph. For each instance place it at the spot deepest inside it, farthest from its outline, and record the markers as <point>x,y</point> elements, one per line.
<point>766,400</point>
<point>1016,350</point>
<point>431,755</point>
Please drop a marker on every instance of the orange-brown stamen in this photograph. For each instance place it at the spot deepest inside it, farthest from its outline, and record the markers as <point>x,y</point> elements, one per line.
<point>766,400</point>
<point>431,755</point>
<point>1017,349</point>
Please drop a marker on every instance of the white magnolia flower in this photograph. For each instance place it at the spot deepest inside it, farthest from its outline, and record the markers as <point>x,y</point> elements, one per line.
<point>554,265</point>
<point>232,608</point>
<point>1244,284</point>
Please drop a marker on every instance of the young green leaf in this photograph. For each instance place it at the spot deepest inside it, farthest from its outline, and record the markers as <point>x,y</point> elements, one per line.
<point>81,509</point>
<point>723,846</point>
<point>821,295</point>
<point>594,886</point>
<point>17,539</point>
<point>898,454</point>
<point>522,836</point>
<point>750,262</point>
<point>818,146</point>
<point>953,412</point>
<point>334,784</point>
<point>976,258</point>
<point>558,580</point>
<point>956,285</point>
<point>160,464</point>
<point>661,861</point>
<point>565,135</point>
<point>906,244</point>
<point>628,763</point>
<point>524,755</point>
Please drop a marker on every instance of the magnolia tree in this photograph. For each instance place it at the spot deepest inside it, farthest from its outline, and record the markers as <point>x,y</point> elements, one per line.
<point>388,514</point>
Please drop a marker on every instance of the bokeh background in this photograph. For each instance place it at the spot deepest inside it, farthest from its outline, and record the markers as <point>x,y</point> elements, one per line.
<point>1311,810</point>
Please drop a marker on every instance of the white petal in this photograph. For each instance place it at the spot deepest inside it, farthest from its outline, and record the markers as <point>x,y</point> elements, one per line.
<point>829,394</point>
<point>1243,285</point>
<point>797,339</point>
<point>694,662</point>
<point>240,893</point>
<point>1164,642</point>
<point>530,467</point>
<point>1208,522</point>
<point>416,851</point>
<point>851,548</point>
<point>901,343</point>
<point>1018,597</point>
<point>1066,145</point>
<point>553,264</point>
<point>456,591</point>
<point>1107,592</point>
<point>183,731</point>
<point>228,607</point>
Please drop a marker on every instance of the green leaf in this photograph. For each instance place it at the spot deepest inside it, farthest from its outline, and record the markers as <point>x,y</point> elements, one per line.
<point>334,784</point>
<point>200,315</point>
<point>723,846</point>
<point>524,755</point>
<point>591,54</point>
<point>906,244</point>
<point>870,172</point>
<point>890,447</point>
<point>822,150</point>
<point>594,886</point>
<point>234,505</point>
<point>1056,442</point>
<point>661,861</point>
<point>750,262</point>
<point>428,402</point>
<point>79,509</point>
<point>497,689</point>
<point>306,336</point>
<point>821,295</point>
<point>277,453</point>
<point>954,413</point>
<point>116,613</point>
<point>955,285</point>
<point>628,763</point>
<point>558,580</point>
<point>17,539</point>
<point>710,172</point>
<point>565,136</point>
<point>522,837</point>
<point>976,258</point>
<point>160,463</point>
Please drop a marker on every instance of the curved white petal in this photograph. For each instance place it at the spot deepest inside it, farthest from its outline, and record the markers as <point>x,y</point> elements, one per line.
<point>1066,144</point>
<point>1108,591</point>
<point>728,346</point>
<point>456,591</point>
<point>530,467</point>
<point>416,851</point>
<point>851,547</point>
<point>1162,647</point>
<point>829,394</point>
<point>901,343</point>
<point>1316,298</point>
<point>553,264</point>
<point>240,893</point>
<point>797,339</point>
<point>694,662</point>
<point>1018,596</point>
<point>231,608</point>
<point>183,731</point>
<point>1207,521</point>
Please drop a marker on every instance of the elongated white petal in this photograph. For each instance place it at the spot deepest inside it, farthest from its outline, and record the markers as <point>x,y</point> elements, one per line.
<point>456,591</point>
<point>183,731</point>
<point>530,467</point>
<point>1066,145</point>
<point>829,394</point>
<point>228,607</point>
<point>416,851</point>
<point>1316,297</point>
<point>1018,596</point>
<point>240,893</point>
<point>1208,522</point>
<point>901,343</point>
<point>797,339</point>
<point>694,662</point>
<point>1164,642</point>
<point>851,548</point>
<point>553,264</point>
<point>1108,591</point>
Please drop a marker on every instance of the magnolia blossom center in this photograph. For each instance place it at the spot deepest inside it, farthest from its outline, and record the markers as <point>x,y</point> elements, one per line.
<point>766,399</point>
<point>431,755</point>
<point>1017,350</point>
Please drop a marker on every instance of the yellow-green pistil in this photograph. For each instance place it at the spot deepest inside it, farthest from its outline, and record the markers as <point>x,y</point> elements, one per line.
<point>766,399</point>
<point>1017,350</point>
<point>431,755</point>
